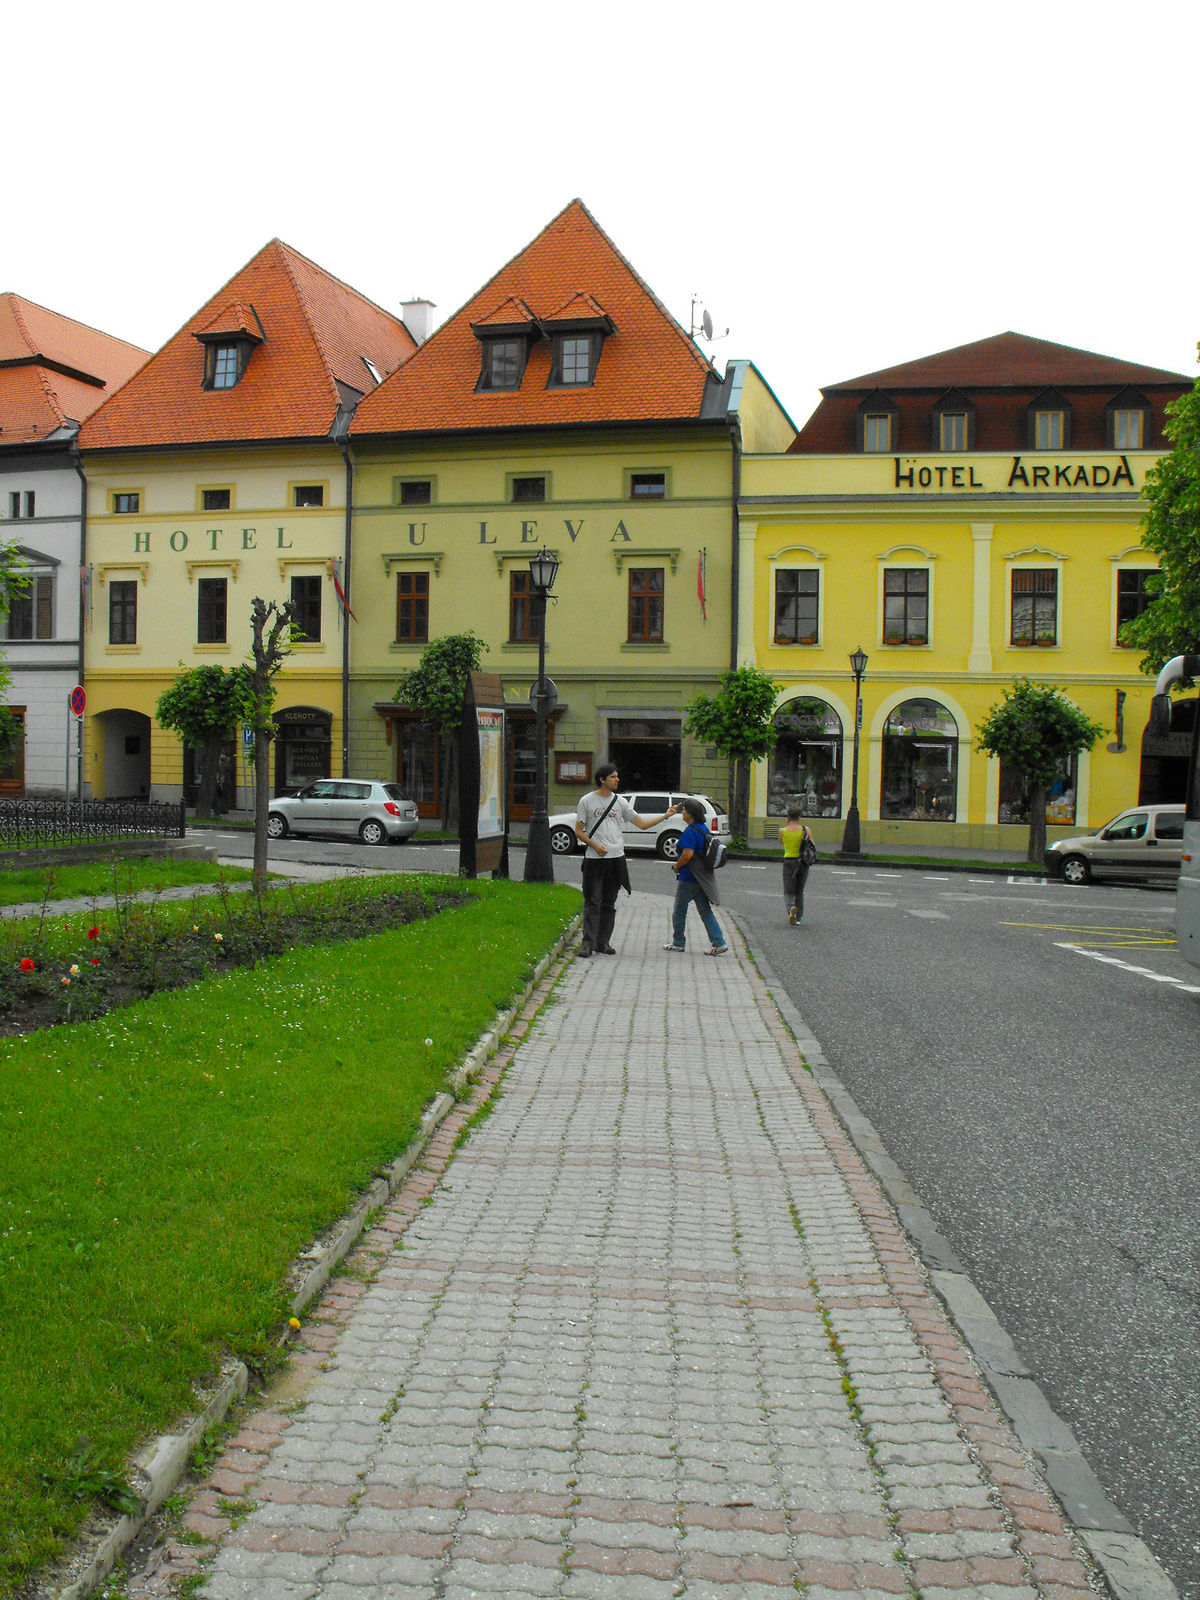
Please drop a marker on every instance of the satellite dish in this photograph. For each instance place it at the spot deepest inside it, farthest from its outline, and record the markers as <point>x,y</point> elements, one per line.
<point>706,326</point>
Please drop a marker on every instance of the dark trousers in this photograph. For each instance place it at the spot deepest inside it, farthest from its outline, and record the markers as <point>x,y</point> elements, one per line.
<point>602,881</point>
<point>795,876</point>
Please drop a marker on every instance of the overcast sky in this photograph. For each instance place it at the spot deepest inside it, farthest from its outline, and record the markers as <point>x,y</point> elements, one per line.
<point>844,185</point>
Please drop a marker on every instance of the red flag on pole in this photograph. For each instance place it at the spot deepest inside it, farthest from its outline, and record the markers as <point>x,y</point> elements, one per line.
<point>701,592</point>
<point>342,601</point>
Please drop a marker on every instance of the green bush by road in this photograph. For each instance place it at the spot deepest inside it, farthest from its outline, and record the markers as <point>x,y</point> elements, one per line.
<point>161,1167</point>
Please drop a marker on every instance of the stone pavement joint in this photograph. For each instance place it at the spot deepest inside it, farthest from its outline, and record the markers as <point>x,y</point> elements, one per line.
<point>650,1329</point>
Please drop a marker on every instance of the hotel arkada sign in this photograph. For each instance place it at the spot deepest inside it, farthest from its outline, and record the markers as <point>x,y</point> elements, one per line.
<point>1013,475</point>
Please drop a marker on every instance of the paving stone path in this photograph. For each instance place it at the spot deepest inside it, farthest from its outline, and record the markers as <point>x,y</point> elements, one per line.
<point>650,1331</point>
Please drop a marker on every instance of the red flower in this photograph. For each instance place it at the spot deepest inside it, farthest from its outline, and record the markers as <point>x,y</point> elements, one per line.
<point>93,933</point>
<point>95,961</point>
<point>27,964</point>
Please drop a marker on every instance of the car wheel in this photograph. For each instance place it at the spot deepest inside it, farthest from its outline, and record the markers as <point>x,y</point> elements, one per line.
<point>668,846</point>
<point>373,832</point>
<point>1075,869</point>
<point>562,841</point>
<point>277,827</point>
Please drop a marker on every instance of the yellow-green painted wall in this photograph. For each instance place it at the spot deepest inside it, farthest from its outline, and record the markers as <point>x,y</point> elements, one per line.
<point>969,520</point>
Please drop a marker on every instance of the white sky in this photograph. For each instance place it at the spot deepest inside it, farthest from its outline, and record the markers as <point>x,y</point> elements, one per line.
<point>846,185</point>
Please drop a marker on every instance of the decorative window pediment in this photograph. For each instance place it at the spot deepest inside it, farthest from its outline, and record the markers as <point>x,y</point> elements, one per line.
<point>506,336</point>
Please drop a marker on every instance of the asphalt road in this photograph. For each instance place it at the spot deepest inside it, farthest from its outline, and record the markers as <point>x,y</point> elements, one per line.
<point>1044,1103</point>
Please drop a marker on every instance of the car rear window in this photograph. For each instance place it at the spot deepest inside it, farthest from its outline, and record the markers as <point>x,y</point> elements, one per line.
<point>354,791</point>
<point>1169,826</point>
<point>718,807</point>
<point>394,791</point>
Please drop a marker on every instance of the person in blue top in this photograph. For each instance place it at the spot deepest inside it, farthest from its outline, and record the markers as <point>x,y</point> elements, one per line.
<point>696,883</point>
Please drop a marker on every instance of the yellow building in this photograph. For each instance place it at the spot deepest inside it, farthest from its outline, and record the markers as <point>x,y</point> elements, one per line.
<point>966,519</point>
<point>217,473</point>
<point>561,407</point>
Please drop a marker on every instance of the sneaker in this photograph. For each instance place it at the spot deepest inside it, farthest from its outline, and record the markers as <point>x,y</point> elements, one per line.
<point>585,950</point>
<point>719,950</point>
<point>676,949</point>
<point>791,914</point>
<point>605,950</point>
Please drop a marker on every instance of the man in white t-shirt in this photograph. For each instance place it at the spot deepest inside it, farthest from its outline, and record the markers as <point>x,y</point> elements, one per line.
<point>599,820</point>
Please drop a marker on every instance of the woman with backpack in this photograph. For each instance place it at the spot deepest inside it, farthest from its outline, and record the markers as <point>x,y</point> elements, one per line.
<point>695,883</point>
<point>799,853</point>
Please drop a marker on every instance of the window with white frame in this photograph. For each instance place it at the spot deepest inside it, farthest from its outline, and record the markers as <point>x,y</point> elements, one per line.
<point>797,605</point>
<point>877,433</point>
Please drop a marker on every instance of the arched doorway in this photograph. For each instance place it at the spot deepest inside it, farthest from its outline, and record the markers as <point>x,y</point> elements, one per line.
<point>303,747</point>
<point>920,763</point>
<point>126,755</point>
<point>806,765</point>
<point>1163,778</point>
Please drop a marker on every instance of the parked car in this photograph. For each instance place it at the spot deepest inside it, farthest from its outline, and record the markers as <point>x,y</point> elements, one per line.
<point>1144,842</point>
<point>376,813</point>
<point>647,803</point>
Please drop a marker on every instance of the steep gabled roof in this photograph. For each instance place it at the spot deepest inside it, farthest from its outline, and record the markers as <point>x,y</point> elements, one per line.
<point>1009,360</point>
<point>315,332</point>
<point>648,370</point>
<point>54,372</point>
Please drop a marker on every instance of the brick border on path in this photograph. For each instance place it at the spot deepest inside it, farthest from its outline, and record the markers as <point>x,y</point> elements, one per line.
<point>1004,1539</point>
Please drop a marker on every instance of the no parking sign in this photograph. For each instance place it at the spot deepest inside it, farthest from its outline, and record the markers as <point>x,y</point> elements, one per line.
<point>78,701</point>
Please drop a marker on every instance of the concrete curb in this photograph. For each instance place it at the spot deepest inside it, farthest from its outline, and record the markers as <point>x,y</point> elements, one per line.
<point>1127,1563</point>
<point>163,1461</point>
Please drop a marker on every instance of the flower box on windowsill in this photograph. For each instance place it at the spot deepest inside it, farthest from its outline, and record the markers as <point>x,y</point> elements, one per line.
<point>899,639</point>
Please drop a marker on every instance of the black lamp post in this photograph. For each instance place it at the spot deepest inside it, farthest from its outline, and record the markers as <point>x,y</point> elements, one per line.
<point>852,838</point>
<point>539,859</point>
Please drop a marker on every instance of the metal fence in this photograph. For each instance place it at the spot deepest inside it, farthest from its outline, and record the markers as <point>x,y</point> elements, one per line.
<point>25,823</point>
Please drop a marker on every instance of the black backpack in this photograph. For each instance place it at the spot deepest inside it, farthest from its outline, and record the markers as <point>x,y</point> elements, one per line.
<point>716,852</point>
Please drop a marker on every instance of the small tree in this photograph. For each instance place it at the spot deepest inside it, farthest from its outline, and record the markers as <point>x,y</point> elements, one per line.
<point>739,720</point>
<point>435,689</point>
<point>271,633</point>
<point>1035,729</point>
<point>1170,625</point>
<point>202,707</point>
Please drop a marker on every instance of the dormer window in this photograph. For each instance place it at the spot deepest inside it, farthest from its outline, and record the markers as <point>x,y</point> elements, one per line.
<point>225,366</point>
<point>877,424</point>
<point>505,336</point>
<point>1050,421</point>
<point>503,362</point>
<point>1128,421</point>
<point>578,328</point>
<point>229,341</point>
<point>953,422</point>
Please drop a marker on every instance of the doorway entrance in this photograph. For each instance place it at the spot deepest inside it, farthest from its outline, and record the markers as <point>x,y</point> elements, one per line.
<point>126,755</point>
<point>12,773</point>
<point>646,750</point>
<point>418,767</point>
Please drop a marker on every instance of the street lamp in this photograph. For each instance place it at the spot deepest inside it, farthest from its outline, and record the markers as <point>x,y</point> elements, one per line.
<point>539,860</point>
<point>851,838</point>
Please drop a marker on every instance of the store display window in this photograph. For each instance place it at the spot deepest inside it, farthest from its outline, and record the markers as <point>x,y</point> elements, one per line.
<point>1060,797</point>
<point>920,764</point>
<point>806,766</point>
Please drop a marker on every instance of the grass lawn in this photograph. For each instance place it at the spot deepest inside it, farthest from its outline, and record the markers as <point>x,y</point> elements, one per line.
<point>111,877</point>
<point>161,1167</point>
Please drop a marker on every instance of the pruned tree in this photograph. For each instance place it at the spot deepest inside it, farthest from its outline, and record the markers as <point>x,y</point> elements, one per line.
<point>1035,729</point>
<point>739,719</point>
<point>202,706</point>
<point>435,689</point>
<point>13,582</point>
<point>1170,624</point>
<point>271,626</point>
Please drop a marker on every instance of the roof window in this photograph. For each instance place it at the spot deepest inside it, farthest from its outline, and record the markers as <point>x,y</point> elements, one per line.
<point>505,335</point>
<point>578,330</point>
<point>877,424</point>
<point>953,422</point>
<point>1127,421</point>
<point>229,342</point>
<point>1050,421</point>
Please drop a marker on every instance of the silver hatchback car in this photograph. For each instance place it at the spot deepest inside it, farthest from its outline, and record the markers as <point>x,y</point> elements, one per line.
<point>1144,842</point>
<point>351,808</point>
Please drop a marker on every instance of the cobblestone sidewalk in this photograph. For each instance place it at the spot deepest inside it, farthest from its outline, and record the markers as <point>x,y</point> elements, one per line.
<point>653,1331</point>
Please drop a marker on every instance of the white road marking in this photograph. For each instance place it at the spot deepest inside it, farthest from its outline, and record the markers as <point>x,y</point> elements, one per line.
<point>933,877</point>
<point>844,872</point>
<point>1030,883</point>
<point>746,868</point>
<point>1128,966</point>
<point>889,874</point>
<point>942,916</point>
<point>988,881</point>
<point>885,904</point>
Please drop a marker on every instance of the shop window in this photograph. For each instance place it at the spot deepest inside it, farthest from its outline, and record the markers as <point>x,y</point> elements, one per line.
<point>302,747</point>
<point>906,605</point>
<point>306,609</point>
<point>806,765</point>
<point>212,610</point>
<point>412,608</point>
<point>419,767</point>
<point>646,605</point>
<point>122,611</point>
<point>877,433</point>
<point>797,605</point>
<point>525,490</point>
<point>920,764</point>
<point>126,502</point>
<point>308,494</point>
<point>31,610</point>
<point>1132,594</point>
<point>1035,606</point>
<point>1060,796</point>
<point>215,499</point>
<point>522,611</point>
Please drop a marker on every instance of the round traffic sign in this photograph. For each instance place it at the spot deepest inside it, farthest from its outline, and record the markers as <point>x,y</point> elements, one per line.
<point>548,696</point>
<point>78,700</point>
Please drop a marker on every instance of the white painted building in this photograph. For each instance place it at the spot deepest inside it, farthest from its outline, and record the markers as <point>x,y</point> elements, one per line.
<point>53,374</point>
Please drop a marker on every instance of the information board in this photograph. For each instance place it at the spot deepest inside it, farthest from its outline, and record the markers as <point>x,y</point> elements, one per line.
<point>483,779</point>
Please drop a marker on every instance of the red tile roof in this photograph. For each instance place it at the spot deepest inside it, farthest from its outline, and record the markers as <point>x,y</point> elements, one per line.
<point>53,370</point>
<point>234,320</point>
<point>507,313</point>
<point>648,370</point>
<point>318,332</point>
<point>1009,360</point>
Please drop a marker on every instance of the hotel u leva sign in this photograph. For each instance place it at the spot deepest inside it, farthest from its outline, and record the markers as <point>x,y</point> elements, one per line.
<point>1065,476</point>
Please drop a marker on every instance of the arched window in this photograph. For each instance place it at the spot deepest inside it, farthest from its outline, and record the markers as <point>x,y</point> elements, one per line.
<point>806,767</point>
<point>920,763</point>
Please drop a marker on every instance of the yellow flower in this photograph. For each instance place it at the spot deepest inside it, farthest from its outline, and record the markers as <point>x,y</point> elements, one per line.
<point>294,1322</point>
<point>74,972</point>
<point>218,937</point>
<point>195,927</point>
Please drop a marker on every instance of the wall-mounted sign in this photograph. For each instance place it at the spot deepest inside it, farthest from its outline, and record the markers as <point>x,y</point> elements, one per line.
<point>989,475</point>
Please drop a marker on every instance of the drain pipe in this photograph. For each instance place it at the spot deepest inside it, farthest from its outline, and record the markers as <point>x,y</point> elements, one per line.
<point>347,544</point>
<point>735,583</point>
<point>77,463</point>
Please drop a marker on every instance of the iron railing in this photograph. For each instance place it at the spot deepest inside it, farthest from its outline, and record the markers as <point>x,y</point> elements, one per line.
<point>25,823</point>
